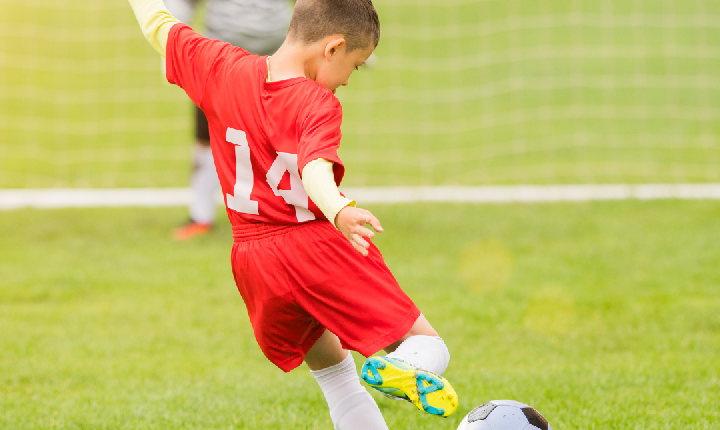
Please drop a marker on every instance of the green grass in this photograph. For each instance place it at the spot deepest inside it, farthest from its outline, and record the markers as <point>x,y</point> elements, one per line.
<point>464,92</point>
<point>602,316</point>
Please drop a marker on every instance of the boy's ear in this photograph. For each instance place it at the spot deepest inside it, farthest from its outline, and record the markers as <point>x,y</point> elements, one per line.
<point>333,45</point>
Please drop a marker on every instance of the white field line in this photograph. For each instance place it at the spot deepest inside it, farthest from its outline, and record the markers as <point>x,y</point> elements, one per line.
<point>160,197</point>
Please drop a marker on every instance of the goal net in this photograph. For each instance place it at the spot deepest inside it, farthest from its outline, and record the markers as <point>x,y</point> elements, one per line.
<point>461,92</point>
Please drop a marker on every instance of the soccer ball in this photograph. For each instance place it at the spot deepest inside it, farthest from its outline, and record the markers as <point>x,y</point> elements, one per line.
<point>504,415</point>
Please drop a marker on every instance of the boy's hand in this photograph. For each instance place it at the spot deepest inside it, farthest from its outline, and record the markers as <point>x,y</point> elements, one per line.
<point>351,222</point>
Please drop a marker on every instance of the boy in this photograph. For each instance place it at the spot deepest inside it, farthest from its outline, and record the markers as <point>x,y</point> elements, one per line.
<point>314,287</point>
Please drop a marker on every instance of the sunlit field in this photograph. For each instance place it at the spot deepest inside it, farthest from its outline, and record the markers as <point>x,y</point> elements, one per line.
<point>602,316</point>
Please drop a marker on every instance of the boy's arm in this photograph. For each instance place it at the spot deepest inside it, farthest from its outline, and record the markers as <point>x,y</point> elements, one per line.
<point>319,182</point>
<point>155,22</point>
<point>191,58</point>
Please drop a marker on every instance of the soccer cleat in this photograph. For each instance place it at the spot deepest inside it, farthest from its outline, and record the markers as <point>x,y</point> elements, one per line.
<point>398,380</point>
<point>192,229</point>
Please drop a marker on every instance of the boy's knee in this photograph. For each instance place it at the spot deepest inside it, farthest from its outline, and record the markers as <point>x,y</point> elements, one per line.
<point>421,327</point>
<point>326,352</point>
<point>428,353</point>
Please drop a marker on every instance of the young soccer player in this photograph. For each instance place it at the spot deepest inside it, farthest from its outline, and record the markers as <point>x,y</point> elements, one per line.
<point>313,284</point>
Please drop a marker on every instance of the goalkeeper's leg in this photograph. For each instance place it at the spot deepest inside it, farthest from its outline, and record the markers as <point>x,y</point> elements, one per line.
<point>204,184</point>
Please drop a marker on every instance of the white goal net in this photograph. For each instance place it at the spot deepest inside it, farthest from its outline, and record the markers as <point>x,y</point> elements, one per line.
<point>463,92</point>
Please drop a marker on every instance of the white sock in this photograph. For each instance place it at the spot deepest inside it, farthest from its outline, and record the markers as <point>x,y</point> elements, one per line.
<point>351,406</point>
<point>428,353</point>
<point>203,185</point>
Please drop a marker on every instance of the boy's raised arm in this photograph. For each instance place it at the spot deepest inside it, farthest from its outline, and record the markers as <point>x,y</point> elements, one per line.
<point>155,22</point>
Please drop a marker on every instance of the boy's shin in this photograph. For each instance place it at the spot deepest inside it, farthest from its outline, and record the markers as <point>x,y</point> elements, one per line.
<point>351,406</point>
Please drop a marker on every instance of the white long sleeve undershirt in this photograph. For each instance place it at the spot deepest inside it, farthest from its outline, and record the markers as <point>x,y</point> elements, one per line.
<point>155,22</point>
<point>319,182</point>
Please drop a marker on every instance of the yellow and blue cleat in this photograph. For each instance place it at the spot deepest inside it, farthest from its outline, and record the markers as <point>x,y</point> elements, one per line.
<point>398,380</point>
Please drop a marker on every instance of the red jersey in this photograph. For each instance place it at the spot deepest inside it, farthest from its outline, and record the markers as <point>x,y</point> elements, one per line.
<point>262,133</point>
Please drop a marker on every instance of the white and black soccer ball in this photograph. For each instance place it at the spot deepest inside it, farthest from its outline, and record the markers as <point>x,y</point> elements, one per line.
<point>504,415</point>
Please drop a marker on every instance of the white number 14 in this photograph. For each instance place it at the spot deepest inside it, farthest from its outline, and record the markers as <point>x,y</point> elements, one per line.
<point>285,162</point>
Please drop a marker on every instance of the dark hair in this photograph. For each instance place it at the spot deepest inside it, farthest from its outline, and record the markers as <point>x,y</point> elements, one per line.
<point>357,20</point>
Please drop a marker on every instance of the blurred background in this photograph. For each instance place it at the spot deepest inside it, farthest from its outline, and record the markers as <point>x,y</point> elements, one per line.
<point>464,92</point>
<point>601,314</point>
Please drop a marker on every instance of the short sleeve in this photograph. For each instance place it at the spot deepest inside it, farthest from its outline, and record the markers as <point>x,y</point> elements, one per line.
<point>192,59</point>
<point>320,135</point>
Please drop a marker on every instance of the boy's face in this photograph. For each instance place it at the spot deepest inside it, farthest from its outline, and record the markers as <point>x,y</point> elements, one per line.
<point>338,64</point>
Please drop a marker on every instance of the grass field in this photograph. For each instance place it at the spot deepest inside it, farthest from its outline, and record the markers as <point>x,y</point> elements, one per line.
<point>602,316</point>
<point>464,92</point>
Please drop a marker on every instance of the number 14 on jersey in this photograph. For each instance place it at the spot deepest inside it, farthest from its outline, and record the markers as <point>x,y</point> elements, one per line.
<point>240,200</point>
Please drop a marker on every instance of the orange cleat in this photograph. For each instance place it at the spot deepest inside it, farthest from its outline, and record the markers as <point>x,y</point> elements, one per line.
<point>192,229</point>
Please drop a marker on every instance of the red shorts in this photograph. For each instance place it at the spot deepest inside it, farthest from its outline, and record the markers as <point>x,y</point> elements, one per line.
<point>298,280</point>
